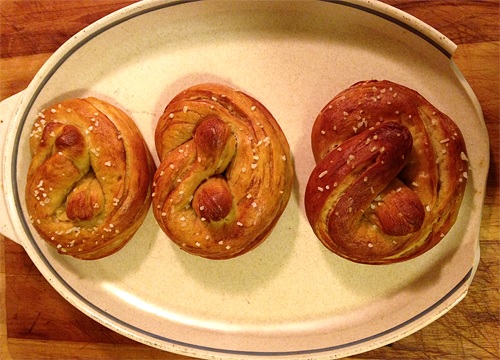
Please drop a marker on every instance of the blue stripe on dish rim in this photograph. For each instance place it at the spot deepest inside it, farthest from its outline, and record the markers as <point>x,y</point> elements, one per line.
<point>127,328</point>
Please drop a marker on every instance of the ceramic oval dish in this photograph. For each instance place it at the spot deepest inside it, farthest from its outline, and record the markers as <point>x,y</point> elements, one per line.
<point>290,297</point>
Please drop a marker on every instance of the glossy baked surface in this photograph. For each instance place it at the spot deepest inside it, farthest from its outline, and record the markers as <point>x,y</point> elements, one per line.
<point>90,178</point>
<point>390,176</point>
<point>225,174</point>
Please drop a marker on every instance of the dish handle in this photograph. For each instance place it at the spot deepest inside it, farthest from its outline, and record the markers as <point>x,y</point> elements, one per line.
<point>8,109</point>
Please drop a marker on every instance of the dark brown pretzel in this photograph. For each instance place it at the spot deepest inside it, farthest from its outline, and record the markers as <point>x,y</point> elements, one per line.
<point>89,181</point>
<point>390,175</point>
<point>225,175</point>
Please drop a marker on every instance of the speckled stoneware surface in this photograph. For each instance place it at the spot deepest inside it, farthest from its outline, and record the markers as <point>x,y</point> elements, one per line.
<point>290,297</point>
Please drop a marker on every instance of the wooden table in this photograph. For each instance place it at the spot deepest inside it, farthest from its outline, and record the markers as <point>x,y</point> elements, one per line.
<point>36,323</point>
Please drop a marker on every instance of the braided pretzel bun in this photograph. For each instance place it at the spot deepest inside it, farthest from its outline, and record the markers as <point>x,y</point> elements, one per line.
<point>225,175</point>
<point>390,175</point>
<point>89,182</point>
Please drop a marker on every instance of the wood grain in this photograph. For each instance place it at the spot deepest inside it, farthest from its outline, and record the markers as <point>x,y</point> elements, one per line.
<point>37,323</point>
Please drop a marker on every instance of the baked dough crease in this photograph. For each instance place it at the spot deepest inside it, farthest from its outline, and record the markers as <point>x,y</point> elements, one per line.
<point>390,175</point>
<point>225,173</point>
<point>89,182</point>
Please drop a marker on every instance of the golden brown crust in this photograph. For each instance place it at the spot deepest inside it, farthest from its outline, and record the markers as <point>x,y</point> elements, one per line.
<point>226,173</point>
<point>390,175</point>
<point>89,182</point>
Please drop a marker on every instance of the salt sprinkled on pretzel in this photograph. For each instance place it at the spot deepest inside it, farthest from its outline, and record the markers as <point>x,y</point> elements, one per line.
<point>390,176</point>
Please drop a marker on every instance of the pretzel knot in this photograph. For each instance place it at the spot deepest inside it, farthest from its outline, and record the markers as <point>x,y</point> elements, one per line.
<point>89,182</point>
<point>390,175</point>
<point>225,175</point>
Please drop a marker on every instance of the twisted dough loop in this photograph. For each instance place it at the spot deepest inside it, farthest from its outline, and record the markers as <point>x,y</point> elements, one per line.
<point>89,181</point>
<point>225,175</point>
<point>390,176</point>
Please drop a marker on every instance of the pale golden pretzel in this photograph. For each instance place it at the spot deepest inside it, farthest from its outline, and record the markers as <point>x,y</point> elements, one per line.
<point>390,175</point>
<point>225,175</point>
<point>90,178</point>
